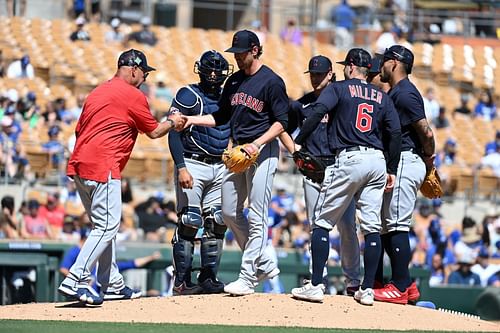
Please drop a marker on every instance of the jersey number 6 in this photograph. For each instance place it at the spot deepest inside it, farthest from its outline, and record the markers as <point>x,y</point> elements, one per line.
<point>363,117</point>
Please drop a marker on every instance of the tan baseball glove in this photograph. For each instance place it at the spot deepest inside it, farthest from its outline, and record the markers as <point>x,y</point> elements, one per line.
<point>237,160</point>
<point>431,187</point>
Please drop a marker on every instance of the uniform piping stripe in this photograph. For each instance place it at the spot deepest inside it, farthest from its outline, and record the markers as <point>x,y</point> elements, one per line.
<point>264,207</point>
<point>399,193</point>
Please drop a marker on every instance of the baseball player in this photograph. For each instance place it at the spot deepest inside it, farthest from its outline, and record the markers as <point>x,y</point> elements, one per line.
<point>197,155</point>
<point>360,114</point>
<point>374,74</point>
<point>106,132</point>
<point>417,156</point>
<point>321,75</point>
<point>255,103</point>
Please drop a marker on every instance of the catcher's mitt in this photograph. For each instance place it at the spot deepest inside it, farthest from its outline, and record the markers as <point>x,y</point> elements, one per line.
<point>431,187</point>
<point>310,166</point>
<point>237,160</point>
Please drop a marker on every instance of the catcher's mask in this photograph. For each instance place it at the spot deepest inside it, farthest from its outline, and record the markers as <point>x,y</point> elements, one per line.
<point>213,69</point>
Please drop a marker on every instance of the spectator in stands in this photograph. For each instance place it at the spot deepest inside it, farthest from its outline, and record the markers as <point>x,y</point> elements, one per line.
<point>16,128</point>
<point>55,148</point>
<point>470,240</point>
<point>343,16</point>
<point>21,69</point>
<point>438,273</point>
<point>54,213</point>
<point>152,220</point>
<point>463,275</point>
<point>26,104</point>
<point>9,220</point>
<point>162,92</point>
<point>447,155</point>
<point>464,107</point>
<point>491,161</point>
<point>3,65</point>
<point>12,156</point>
<point>35,225</point>
<point>442,121</point>
<point>431,105</point>
<point>114,35</point>
<point>483,268</point>
<point>493,146</point>
<point>77,110</point>
<point>281,205</point>
<point>80,34</point>
<point>291,33</point>
<point>64,114</point>
<point>78,7</point>
<point>70,198</point>
<point>145,35</point>
<point>485,108</point>
<point>50,117</point>
<point>386,39</point>
<point>496,254</point>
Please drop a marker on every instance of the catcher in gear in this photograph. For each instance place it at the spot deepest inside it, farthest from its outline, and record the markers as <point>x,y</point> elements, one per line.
<point>255,103</point>
<point>197,152</point>
<point>417,159</point>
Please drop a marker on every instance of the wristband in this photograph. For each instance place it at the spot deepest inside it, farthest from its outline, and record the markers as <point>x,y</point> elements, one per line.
<point>256,145</point>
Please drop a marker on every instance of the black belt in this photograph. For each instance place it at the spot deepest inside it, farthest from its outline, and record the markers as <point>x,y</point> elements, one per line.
<point>204,158</point>
<point>327,160</point>
<point>353,148</point>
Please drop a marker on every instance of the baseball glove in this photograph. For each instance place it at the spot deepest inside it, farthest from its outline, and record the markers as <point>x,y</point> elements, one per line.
<point>431,187</point>
<point>237,160</point>
<point>310,166</point>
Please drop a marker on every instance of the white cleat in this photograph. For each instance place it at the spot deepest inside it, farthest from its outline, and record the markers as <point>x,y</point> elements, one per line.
<point>238,288</point>
<point>365,297</point>
<point>310,293</point>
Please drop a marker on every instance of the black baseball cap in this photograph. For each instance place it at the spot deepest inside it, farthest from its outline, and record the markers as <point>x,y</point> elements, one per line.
<point>400,53</point>
<point>134,58</point>
<point>357,57</point>
<point>319,64</point>
<point>376,65</point>
<point>243,41</point>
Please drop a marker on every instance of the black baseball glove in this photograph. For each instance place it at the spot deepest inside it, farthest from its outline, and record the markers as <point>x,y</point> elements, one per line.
<point>311,167</point>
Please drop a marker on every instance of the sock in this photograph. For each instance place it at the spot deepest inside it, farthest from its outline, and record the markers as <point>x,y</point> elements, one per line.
<point>400,259</point>
<point>379,275</point>
<point>320,248</point>
<point>371,258</point>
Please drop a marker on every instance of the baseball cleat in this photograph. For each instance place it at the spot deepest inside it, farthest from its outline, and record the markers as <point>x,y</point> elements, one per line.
<point>364,296</point>
<point>83,293</point>
<point>125,293</point>
<point>310,293</point>
<point>210,286</point>
<point>413,293</point>
<point>239,288</point>
<point>391,294</point>
<point>186,288</point>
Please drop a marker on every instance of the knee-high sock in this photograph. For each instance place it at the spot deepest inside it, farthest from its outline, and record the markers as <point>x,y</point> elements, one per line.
<point>400,254</point>
<point>373,249</point>
<point>386,241</point>
<point>320,248</point>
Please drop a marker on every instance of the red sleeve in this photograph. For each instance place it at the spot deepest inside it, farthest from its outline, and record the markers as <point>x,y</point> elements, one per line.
<point>140,113</point>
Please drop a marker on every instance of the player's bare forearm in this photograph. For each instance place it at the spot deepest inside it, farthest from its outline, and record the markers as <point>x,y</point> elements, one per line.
<point>426,136</point>
<point>287,141</point>
<point>205,120</point>
<point>272,133</point>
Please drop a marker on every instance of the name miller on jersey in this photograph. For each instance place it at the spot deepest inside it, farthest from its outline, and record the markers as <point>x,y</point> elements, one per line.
<point>365,93</point>
<point>248,101</point>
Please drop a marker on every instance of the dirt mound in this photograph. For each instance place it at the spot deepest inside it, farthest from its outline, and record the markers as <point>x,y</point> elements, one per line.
<point>255,310</point>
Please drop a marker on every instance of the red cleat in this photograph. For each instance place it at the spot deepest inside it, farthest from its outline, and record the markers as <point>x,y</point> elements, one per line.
<point>413,293</point>
<point>391,294</point>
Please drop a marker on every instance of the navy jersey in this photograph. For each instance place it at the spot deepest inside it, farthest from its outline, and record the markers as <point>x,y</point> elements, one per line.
<point>361,114</point>
<point>252,103</point>
<point>317,142</point>
<point>410,107</point>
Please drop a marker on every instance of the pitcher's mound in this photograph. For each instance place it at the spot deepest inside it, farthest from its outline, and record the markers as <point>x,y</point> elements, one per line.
<point>255,310</point>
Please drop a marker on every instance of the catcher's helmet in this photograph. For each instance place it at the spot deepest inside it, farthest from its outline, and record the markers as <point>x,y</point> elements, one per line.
<point>213,69</point>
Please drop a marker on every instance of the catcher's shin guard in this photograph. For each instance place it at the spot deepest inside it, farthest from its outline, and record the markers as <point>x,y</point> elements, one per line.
<point>182,252</point>
<point>211,244</point>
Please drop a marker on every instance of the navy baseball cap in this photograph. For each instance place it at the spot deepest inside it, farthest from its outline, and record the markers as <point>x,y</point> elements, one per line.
<point>400,53</point>
<point>357,57</point>
<point>134,58</point>
<point>319,64</point>
<point>376,65</point>
<point>243,41</point>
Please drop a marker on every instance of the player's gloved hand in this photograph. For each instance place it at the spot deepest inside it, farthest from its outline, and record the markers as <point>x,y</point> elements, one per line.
<point>431,187</point>
<point>391,180</point>
<point>185,179</point>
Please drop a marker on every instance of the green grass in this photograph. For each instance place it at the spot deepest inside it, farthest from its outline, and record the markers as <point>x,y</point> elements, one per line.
<point>32,326</point>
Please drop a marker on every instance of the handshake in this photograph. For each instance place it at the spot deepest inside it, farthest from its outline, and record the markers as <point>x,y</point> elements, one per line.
<point>179,121</point>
